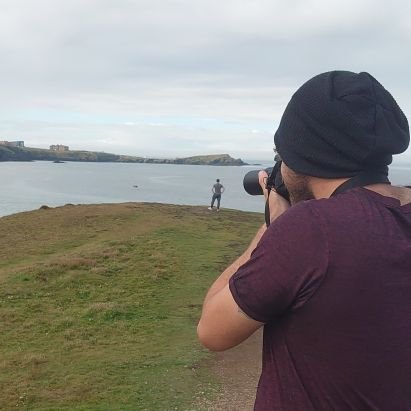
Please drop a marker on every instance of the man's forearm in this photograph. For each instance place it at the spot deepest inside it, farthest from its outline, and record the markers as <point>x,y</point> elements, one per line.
<point>225,276</point>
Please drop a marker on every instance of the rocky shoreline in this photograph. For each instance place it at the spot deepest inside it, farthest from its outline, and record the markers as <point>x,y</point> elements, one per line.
<point>36,154</point>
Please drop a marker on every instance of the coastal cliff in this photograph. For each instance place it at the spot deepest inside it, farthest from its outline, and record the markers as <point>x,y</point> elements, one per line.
<point>8,153</point>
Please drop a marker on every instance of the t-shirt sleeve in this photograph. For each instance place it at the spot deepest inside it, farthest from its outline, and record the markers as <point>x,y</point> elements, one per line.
<point>285,269</point>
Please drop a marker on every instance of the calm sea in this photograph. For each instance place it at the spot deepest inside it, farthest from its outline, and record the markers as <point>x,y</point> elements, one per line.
<point>27,186</point>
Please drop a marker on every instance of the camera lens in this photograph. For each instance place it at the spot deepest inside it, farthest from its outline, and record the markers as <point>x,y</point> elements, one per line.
<point>251,184</point>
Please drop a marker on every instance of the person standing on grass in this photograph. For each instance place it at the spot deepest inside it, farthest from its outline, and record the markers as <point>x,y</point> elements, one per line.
<point>217,190</point>
<point>329,279</point>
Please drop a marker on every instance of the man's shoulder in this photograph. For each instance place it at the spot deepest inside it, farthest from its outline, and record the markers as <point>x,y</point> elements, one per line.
<point>301,211</point>
<point>314,214</point>
<point>331,204</point>
<point>299,218</point>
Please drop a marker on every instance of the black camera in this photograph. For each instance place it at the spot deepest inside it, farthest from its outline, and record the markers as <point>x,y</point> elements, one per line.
<point>274,181</point>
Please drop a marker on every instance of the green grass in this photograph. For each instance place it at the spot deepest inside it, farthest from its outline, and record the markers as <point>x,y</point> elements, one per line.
<point>99,304</point>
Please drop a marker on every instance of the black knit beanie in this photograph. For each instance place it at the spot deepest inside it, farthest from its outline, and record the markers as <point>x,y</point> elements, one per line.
<point>339,124</point>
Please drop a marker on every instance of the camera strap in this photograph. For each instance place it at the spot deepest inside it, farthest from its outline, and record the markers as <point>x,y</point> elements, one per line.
<point>267,208</point>
<point>361,180</point>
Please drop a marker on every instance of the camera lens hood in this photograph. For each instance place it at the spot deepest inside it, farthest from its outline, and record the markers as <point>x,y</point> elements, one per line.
<point>251,184</point>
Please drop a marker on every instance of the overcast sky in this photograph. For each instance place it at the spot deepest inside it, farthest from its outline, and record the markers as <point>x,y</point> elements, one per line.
<point>172,78</point>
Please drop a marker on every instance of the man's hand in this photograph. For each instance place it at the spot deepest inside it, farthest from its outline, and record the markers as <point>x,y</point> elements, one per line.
<point>277,204</point>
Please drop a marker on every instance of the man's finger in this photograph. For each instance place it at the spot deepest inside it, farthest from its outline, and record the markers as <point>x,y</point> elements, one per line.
<point>262,179</point>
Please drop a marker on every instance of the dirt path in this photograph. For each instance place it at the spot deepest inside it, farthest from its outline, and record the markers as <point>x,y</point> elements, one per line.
<point>238,371</point>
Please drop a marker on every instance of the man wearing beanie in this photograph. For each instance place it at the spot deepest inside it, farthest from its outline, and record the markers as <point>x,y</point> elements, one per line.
<point>330,278</point>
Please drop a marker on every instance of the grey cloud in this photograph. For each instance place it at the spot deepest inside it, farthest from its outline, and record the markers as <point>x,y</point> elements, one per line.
<point>233,60</point>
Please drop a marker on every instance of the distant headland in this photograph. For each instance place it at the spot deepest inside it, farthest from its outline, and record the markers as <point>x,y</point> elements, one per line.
<point>11,151</point>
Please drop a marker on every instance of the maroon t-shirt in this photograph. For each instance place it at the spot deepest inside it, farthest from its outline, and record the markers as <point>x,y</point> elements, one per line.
<point>331,280</point>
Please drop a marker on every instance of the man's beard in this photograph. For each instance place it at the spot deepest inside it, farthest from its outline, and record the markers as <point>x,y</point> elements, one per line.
<point>299,190</point>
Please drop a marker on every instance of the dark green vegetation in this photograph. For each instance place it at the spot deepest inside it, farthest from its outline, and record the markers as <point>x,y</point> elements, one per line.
<point>8,153</point>
<point>210,160</point>
<point>99,304</point>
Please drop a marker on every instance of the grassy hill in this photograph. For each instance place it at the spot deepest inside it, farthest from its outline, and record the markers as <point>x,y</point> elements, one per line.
<point>30,154</point>
<point>8,153</point>
<point>99,304</point>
